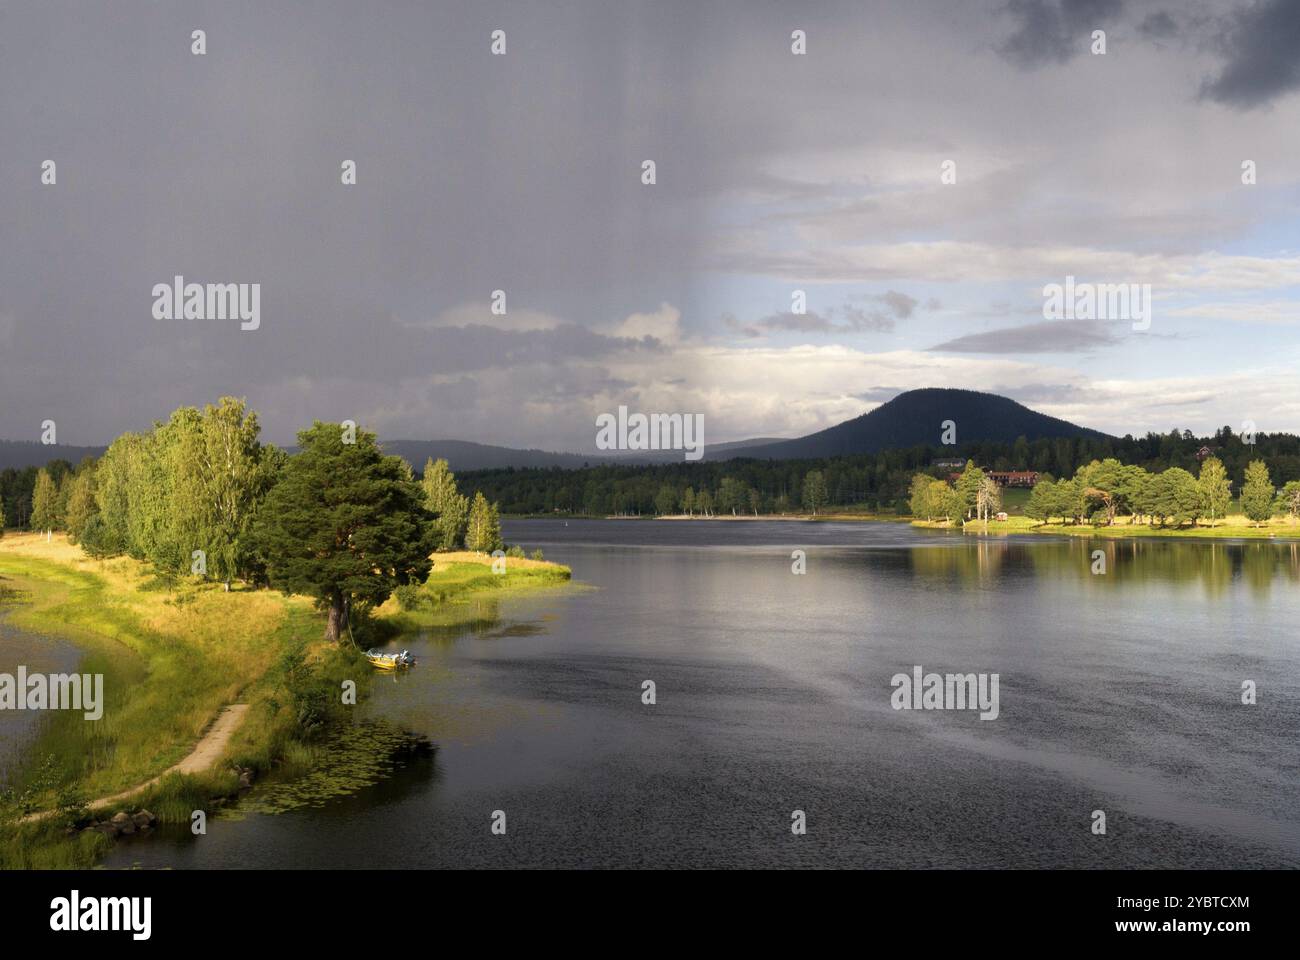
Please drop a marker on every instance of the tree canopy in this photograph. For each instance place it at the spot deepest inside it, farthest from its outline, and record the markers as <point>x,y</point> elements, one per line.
<point>344,524</point>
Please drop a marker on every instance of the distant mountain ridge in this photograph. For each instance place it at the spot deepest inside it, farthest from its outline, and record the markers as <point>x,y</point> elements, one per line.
<point>21,454</point>
<point>467,455</point>
<point>915,418</point>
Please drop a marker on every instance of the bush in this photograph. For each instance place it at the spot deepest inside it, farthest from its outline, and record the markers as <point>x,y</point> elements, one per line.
<point>516,551</point>
<point>96,539</point>
<point>411,596</point>
<point>537,554</point>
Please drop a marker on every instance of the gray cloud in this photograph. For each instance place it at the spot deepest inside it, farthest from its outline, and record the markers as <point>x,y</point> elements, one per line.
<point>1262,48</point>
<point>1054,31</point>
<point>1158,26</point>
<point>522,173</point>
<point>881,317</point>
<point>1050,336</point>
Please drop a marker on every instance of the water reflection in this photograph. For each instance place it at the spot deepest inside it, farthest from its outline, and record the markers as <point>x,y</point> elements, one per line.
<point>1118,691</point>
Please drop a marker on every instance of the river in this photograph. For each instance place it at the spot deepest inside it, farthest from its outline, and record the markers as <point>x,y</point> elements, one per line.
<point>1118,691</point>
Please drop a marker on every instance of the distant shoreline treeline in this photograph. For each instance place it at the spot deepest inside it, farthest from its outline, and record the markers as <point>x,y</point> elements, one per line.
<point>879,482</point>
<point>1102,490</point>
<point>876,482</point>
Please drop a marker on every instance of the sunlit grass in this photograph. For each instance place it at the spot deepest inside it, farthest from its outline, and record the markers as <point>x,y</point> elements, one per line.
<point>174,651</point>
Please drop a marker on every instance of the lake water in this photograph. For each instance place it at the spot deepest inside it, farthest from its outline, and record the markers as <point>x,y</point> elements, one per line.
<point>1118,692</point>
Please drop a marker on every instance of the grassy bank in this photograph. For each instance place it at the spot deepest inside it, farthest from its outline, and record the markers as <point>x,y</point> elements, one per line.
<point>460,578</point>
<point>174,652</point>
<point>1233,527</point>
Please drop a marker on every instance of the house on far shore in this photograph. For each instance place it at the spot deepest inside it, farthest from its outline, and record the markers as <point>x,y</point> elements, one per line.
<point>1014,478</point>
<point>948,464</point>
<point>1204,452</point>
<point>1006,478</point>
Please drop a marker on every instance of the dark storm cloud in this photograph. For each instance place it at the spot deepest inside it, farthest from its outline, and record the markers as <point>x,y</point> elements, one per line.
<point>521,173</point>
<point>1158,26</point>
<point>1054,31</point>
<point>1050,336</point>
<point>473,173</point>
<point>1262,48</point>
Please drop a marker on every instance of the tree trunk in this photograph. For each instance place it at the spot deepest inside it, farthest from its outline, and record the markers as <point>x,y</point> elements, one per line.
<point>337,618</point>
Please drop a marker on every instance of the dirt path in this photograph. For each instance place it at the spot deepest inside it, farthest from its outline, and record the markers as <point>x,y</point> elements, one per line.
<point>208,750</point>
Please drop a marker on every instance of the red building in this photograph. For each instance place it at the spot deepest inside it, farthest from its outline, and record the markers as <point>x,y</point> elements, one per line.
<point>1006,478</point>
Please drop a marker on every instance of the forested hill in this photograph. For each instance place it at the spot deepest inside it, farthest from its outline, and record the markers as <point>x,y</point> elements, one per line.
<point>874,481</point>
<point>18,454</point>
<point>916,417</point>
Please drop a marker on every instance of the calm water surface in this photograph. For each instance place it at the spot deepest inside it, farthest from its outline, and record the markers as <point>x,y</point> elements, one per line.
<point>1118,692</point>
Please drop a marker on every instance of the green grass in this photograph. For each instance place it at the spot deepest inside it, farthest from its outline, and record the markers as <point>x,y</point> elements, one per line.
<point>448,597</point>
<point>174,651</point>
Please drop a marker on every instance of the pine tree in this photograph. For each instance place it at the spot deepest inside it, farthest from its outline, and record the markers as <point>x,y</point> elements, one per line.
<point>1042,500</point>
<point>344,524</point>
<point>1257,493</point>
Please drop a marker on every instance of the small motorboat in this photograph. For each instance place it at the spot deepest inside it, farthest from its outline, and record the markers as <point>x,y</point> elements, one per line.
<point>389,661</point>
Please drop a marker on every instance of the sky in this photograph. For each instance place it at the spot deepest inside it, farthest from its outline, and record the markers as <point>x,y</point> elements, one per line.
<point>775,172</point>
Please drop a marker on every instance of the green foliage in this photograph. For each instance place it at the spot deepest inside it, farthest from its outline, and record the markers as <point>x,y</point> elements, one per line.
<point>874,481</point>
<point>81,504</point>
<point>1043,500</point>
<point>311,697</point>
<point>665,500</point>
<point>968,486</point>
<point>344,524</point>
<point>1172,495</point>
<point>447,503</point>
<point>45,506</point>
<point>733,495</point>
<point>1257,493</point>
<point>1213,488</point>
<point>484,531</point>
<point>95,539</point>
<point>191,484</point>
<point>1289,499</point>
<point>411,596</point>
<point>815,495</point>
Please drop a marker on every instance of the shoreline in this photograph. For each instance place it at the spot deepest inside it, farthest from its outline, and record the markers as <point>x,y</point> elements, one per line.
<point>745,517</point>
<point>1017,525</point>
<point>177,654</point>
